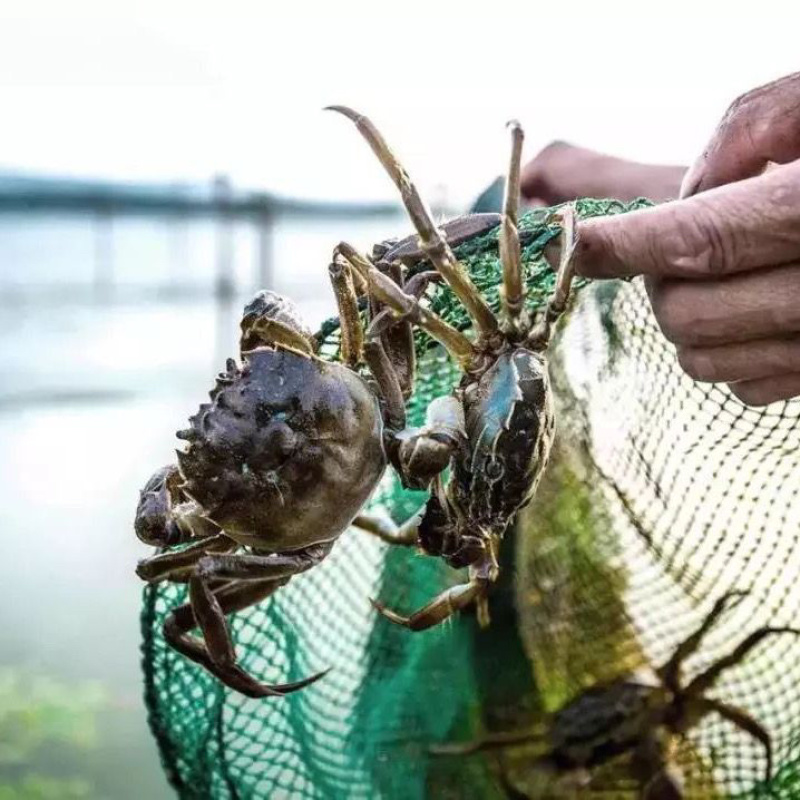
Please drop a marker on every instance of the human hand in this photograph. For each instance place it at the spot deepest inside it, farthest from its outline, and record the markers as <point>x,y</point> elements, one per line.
<point>723,267</point>
<point>562,172</point>
<point>722,270</point>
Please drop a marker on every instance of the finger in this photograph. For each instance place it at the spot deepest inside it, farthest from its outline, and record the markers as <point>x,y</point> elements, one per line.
<point>745,361</point>
<point>747,225</point>
<point>739,308</point>
<point>535,202</point>
<point>769,390</point>
<point>761,126</point>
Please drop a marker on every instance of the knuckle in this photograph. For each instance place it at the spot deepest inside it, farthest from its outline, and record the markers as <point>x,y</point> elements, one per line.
<point>697,244</point>
<point>741,106</point>
<point>783,193</point>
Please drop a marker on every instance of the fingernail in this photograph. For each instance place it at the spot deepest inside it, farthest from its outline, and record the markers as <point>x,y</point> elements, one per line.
<point>552,253</point>
<point>691,180</point>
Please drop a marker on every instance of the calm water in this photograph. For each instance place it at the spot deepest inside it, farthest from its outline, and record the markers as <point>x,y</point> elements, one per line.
<point>91,395</point>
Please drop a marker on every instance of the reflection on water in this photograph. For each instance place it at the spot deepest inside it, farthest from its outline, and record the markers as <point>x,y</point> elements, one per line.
<point>91,395</point>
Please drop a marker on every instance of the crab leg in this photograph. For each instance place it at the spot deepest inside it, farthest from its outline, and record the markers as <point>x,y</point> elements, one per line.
<point>431,239</point>
<point>389,293</point>
<point>670,672</point>
<point>416,285</point>
<point>254,578</point>
<point>652,766</point>
<point>385,375</point>
<point>230,599</point>
<point>490,741</point>
<point>255,567</point>
<point>741,719</point>
<point>540,336</point>
<point>396,336</point>
<point>352,343</point>
<point>510,255</point>
<point>387,531</point>
<point>703,682</point>
<point>456,598</point>
<point>440,608</point>
<point>170,566</point>
<point>386,319</point>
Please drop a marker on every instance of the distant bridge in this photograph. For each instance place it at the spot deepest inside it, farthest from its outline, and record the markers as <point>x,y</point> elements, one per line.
<point>219,200</point>
<point>20,193</point>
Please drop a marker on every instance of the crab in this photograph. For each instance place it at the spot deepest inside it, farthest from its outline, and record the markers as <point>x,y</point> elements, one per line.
<point>277,466</point>
<point>629,716</point>
<point>496,429</point>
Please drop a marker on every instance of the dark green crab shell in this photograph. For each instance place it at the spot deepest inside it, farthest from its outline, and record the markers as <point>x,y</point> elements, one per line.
<point>604,722</point>
<point>287,452</point>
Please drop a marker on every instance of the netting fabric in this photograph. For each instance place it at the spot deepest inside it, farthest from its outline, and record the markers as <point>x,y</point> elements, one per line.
<point>662,494</point>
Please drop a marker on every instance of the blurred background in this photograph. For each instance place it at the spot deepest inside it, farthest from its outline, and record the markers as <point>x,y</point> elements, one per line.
<point>161,161</point>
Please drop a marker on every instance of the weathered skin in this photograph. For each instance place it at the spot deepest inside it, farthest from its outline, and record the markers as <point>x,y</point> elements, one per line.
<point>287,453</point>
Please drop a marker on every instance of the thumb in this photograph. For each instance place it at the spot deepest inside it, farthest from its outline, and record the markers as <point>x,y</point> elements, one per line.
<point>745,225</point>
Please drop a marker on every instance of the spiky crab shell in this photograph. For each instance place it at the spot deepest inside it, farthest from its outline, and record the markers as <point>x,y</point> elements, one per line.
<point>287,452</point>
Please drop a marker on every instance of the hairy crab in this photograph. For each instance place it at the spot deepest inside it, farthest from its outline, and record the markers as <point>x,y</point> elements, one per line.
<point>278,463</point>
<point>496,429</point>
<point>640,719</point>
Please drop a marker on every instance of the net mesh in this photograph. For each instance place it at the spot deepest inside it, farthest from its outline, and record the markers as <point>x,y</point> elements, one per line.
<point>661,495</point>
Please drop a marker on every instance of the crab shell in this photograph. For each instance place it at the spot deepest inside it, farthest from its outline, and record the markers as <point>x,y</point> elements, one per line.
<point>287,452</point>
<point>510,423</point>
<point>603,722</point>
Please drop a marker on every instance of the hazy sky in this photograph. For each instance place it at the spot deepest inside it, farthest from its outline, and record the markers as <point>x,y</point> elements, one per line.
<point>172,90</point>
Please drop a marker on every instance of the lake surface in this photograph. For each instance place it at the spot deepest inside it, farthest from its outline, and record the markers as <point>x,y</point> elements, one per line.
<point>93,388</point>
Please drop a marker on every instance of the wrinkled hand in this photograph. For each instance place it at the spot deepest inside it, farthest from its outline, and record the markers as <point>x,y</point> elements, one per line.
<point>723,266</point>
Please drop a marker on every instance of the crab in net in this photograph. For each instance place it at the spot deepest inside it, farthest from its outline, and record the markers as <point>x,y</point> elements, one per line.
<point>285,456</point>
<point>630,716</point>
<point>495,430</point>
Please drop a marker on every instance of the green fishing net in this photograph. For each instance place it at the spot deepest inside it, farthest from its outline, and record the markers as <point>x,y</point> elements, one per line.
<point>661,495</point>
